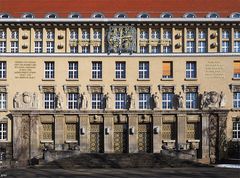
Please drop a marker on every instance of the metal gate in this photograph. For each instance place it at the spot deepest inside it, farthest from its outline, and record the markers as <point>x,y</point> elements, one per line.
<point>144,138</point>
<point>96,138</point>
<point>120,138</point>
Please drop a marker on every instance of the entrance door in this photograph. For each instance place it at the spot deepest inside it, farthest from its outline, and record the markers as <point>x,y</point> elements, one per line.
<point>120,138</point>
<point>96,138</point>
<point>144,138</point>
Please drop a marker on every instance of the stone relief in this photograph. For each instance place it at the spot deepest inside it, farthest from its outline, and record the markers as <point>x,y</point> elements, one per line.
<point>84,101</point>
<point>213,99</point>
<point>59,101</point>
<point>108,100</point>
<point>156,101</point>
<point>131,101</point>
<point>26,100</point>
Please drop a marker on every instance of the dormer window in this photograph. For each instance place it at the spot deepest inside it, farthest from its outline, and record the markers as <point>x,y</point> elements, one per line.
<point>51,16</point>
<point>144,15</point>
<point>190,15</point>
<point>28,16</point>
<point>4,16</point>
<point>213,15</point>
<point>121,16</point>
<point>235,15</point>
<point>98,15</point>
<point>166,15</point>
<point>74,15</point>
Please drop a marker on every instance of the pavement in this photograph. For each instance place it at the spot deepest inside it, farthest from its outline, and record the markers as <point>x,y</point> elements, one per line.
<point>199,172</point>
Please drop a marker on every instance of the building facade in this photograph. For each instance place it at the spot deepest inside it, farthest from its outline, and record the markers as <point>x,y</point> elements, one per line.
<point>119,83</point>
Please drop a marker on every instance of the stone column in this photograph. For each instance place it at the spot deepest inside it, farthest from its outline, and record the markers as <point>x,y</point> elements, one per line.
<point>133,133</point>
<point>108,133</point>
<point>84,135</point>
<point>157,133</point>
<point>59,131</point>
<point>205,137</point>
<point>34,136</point>
<point>222,136</point>
<point>181,130</point>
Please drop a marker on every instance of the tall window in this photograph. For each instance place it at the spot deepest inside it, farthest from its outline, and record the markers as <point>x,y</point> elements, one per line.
<point>3,100</point>
<point>143,49</point>
<point>97,70</point>
<point>144,100</point>
<point>50,46</point>
<point>49,70</point>
<point>49,100</point>
<point>2,46</point>
<point>74,34</point>
<point>72,70</point>
<point>191,70</point>
<point>236,100</point>
<point>97,101</point>
<point>14,46</point>
<point>167,99</point>
<point>97,49</point>
<point>236,41</point>
<point>236,129</point>
<point>155,34</point>
<point>97,34</point>
<point>120,100</point>
<point>190,46</point>
<point>48,131</point>
<point>202,47</point>
<point>3,34</point>
<point>225,46</point>
<point>167,35</point>
<point>3,70</point>
<point>191,100</point>
<point>85,49</point>
<point>236,69</point>
<point>143,70</point>
<point>120,70</point>
<point>50,35</point>
<point>167,69</point>
<point>72,102</point>
<point>3,131</point>
<point>156,49</point>
<point>85,34</point>
<point>38,46</point>
<point>144,34</point>
<point>74,38</point>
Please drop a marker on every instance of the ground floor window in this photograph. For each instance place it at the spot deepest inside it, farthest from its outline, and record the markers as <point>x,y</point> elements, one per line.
<point>3,131</point>
<point>47,131</point>
<point>236,129</point>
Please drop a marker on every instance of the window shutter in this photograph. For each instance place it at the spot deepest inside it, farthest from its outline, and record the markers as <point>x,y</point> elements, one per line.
<point>167,68</point>
<point>237,67</point>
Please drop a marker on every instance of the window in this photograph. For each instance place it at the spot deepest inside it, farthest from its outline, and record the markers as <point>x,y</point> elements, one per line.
<point>97,70</point>
<point>74,15</point>
<point>190,34</point>
<point>236,100</point>
<point>50,35</point>
<point>85,49</point>
<point>143,70</point>
<point>202,34</point>
<point>2,34</point>
<point>97,101</point>
<point>3,70</point>
<point>144,34</point>
<point>49,100</point>
<point>167,70</point>
<point>38,46</point>
<point>120,70</point>
<point>191,71</point>
<point>236,34</point>
<point>49,70</point>
<point>202,47</point>
<point>235,15</point>
<point>72,70</point>
<point>4,16</point>
<point>236,46</point>
<point>190,15</point>
<point>167,49</point>
<point>190,47</point>
<point>213,15</point>
<point>14,46</point>
<point>167,99</point>
<point>236,129</point>
<point>225,34</point>
<point>143,49</point>
<point>14,34</point>
<point>156,49</point>
<point>225,46</point>
<point>144,15</point>
<point>167,34</point>
<point>2,46</point>
<point>38,35</point>
<point>155,34</point>
<point>3,131</point>
<point>74,49</point>
<point>72,100</point>
<point>191,100</point>
<point>52,16</point>
<point>120,100</point>
<point>50,46</point>
<point>3,100</point>
<point>85,35</point>
<point>97,49</point>
<point>166,15</point>
<point>236,69</point>
<point>28,16</point>
<point>98,15</point>
<point>72,131</point>
<point>48,130</point>
<point>73,35</point>
<point>97,34</point>
<point>121,16</point>
<point>144,100</point>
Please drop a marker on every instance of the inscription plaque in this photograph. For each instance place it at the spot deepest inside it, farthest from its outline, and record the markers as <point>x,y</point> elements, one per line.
<point>25,69</point>
<point>214,70</point>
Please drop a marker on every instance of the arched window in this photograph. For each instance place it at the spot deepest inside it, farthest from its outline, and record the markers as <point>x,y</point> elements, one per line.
<point>28,16</point>
<point>189,15</point>
<point>143,15</point>
<point>213,15</point>
<point>121,15</point>
<point>4,16</point>
<point>235,15</point>
<point>98,15</point>
<point>51,16</point>
<point>74,15</point>
<point>166,15</point>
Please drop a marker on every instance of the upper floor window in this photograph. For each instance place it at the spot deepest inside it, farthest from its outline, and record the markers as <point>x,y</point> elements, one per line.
<point>72,100</point>
<point>3,100</point>
<point>236,46</point>
<point>28,16</point>
<point>236,34</point>
<point>191,71</point>
<point>190,34</point>
<point>235,15</point>
<point>202,47</point>
<point>190,47</point>
<point>144,34</point>
<point>49,70</point>
<point>97,100</point>
<point>49,100</point>
<point>74,34</point>
<point>74,15</point>
<point>72,70</point>
<point>191,100</point>
<point>144,100</point>
<point>202,34</point>
<point>85,49</point>
<point>143,70</point>
<point>155,34</point>
<point>50,35</point>
<point>50,47</point>
<point>156,49</point>
<point>97,49</point>
<point>213,15</point>
<point>97,70</point>
<point>120,70</point>
<point>167,34</point>
<point>143,49</point>
<point>2,34</point>
<point>190,15</point>
<point>121,15</point>
<point>98,15</point>
<point>14,46</point>
<point>225,34</point>
<point>2,46</point>
<point>167,69</point>
<point>236,100</point>
<point>3,131</point>
<point>225,46</point>
<point>38,35</point>
<point>38,46</point>
<point>97,34</point>
<point>4,16</point>
<point>85,34</point>
<point>167,100</point>
<point>143,15</point>
<point>120,101</point>
<point>166,15</point>
<point>52,15</point>
<point>3,69</point>
<point>14,34</point>
<point>236,69</point>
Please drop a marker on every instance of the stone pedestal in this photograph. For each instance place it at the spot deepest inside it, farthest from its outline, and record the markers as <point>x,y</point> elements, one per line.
<point>133,133</point>
<point>181,131</point>
<point>84,135</point>
<point>157,136</point>
<point>59,131</point>
<point>108,134</point>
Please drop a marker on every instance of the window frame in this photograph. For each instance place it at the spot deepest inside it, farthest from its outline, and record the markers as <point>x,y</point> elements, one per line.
<point>97,70</point>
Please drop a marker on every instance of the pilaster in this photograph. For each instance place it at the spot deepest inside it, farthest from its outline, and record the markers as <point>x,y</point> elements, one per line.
<point>181,130</point>
<point>133,133</point>
<point>108,133</point>
<point>59,131</point>
<point>157,133</point>
<point>84,135</point>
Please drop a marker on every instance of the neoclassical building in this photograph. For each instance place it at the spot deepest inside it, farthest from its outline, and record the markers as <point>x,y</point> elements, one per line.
<point>119,77</point>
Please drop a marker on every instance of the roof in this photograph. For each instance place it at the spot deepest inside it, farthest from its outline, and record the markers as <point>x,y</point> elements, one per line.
<point>16,8</point>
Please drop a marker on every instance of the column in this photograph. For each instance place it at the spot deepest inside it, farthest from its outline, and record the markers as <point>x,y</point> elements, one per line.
<point>133,133</point>
<point>103,40</point>
<point>205,137</point>
<point>108,133</point>
<point>181,131</point>
<point>84,136</point>
<point>157,133</point>
<point>34,136</point>
<point>59,131</point>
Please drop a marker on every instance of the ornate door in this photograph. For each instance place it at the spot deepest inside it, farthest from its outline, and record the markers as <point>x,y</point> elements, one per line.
<point>96,138</point>
<point>144,138</point>
<point>120,138</point>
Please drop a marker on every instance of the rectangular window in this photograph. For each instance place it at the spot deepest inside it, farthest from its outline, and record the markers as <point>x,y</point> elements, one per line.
<point>144,34</point>
<point>85,49</point>
<point>3,69</point>
<point>225,46</point>
<point>236,34</point>
<point>156,49</point>
<point>143,49</point>
<point>225,34</point>
<point>155,34</point>
<point>85,35</point>
<point>167,34</point>
<point>50,35</point>
<point>38,46</point>
<point>73,35</point>
<point>48,131</point>
<point>143,70</point>
<point>14,46</point>
<point>167,49</point>
<point>120,100</point>
<point>50,47</point>
<point>144,100</point>
<point>191,70</point>
<point>190,34</point>
<point>49,70</point>
<point>71,131</point>
<point>2,46</point>
<point>167,70</point>
<point>167,99</point>
<point>190,47</point>
<point>72,100</point>
<point>202,47</point>
<point>202,34</point>
<point>73,70</point>
<point>120,70</point>
<point>236,100</point>
<point>38,35</point>
<point>97,101</point>
<point>97,34</point>
<point>3,100</point>
<point>236,46</point>
<point>3,34</point>
<point>236,69</point>
<point>236,130</point>
<point>97,70</point>
<point>49,100</point>
<point>14,34</point>
<point>97,49</point>
<point>191,100</point>
<point>3,131</point>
